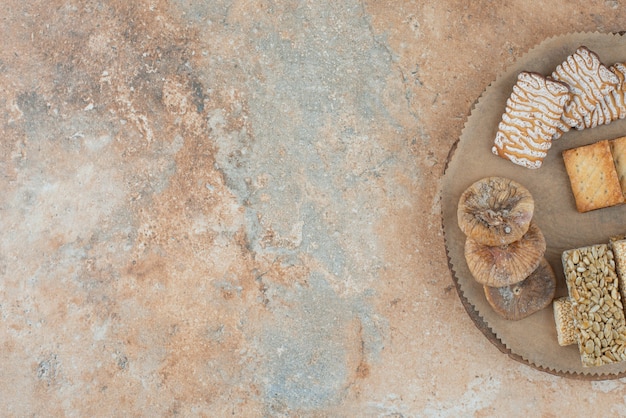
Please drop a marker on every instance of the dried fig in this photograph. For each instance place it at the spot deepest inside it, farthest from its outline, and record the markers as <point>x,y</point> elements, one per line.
<point>505,265</point>
<point>523,299</point>
<point>495,211</point>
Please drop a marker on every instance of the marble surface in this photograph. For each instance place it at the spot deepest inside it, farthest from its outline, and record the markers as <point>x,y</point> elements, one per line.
<point>231,208</point>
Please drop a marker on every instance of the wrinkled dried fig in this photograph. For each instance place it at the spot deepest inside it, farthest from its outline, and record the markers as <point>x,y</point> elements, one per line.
<point>523,299</point>
<point>495,211</point>
<point>505,265</point>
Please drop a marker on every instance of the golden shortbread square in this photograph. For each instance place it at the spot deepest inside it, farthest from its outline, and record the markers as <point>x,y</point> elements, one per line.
<point>618,149</point>
<point>593,176</point>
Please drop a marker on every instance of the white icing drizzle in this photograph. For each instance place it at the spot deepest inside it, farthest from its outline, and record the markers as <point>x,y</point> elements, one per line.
<point>530,120</point>
<point>612,106</point>
<point>589,82</point>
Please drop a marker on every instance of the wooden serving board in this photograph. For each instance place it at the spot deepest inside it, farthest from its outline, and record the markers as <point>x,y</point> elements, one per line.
<point>532,340</point>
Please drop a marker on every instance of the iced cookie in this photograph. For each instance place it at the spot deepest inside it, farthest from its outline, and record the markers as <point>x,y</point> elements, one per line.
<point>530,119</point>
<point>589,81</point>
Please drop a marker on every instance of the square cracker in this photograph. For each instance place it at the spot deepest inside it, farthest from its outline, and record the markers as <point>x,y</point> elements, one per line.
<point>593,176</point>
<point>618,149</point>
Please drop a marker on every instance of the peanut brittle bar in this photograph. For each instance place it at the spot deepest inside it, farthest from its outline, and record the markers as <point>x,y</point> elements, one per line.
<point>597,309</point>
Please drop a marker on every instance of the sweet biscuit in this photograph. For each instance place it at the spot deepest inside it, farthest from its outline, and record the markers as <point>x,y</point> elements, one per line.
<point>613,106</point>
<point>532,112</point>
<point>592,176</point>
<point>589,81</point>
<point>618,150</point>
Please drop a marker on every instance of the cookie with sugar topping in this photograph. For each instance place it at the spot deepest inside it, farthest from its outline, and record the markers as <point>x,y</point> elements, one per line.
<point>530,120</point>
<point>589,82</point>
<point>613,106</point>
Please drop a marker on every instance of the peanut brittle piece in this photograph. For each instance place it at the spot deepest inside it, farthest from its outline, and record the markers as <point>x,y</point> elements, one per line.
<point>597,308</point>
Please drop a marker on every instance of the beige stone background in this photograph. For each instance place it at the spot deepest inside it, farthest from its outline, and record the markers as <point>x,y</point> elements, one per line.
<point>231,208</point>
